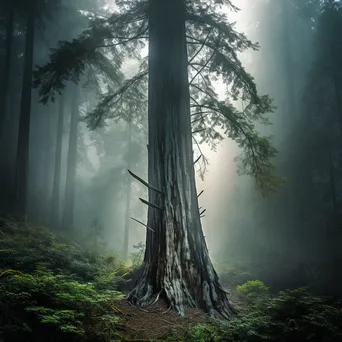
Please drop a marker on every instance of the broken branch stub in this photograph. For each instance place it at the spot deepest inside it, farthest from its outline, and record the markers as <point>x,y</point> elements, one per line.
<point>150,204</point>
<point>144,183</point>
<point>197,159</point>
<point>145,225</point>
<point>202,212</point>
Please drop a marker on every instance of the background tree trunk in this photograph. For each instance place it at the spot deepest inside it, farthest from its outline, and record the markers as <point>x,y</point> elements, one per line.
<point>55,211</point>
<point>21,176</point>
<point>177,262</point>
<point>6,71</point>
<point>128,194</point>
<point>69,201</point>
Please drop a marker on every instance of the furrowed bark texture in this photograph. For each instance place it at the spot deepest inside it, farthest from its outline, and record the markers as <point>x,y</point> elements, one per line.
<point>176,258</point>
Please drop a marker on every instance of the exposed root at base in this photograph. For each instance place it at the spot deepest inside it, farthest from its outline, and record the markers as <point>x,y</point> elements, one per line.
<point>156,300</point>
<point>165,312</point>
<point>214,301</point>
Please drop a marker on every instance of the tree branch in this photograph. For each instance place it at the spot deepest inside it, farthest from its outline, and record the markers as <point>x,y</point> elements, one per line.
<point>144,183</point>
<point>145,225</point>
<point>150,204</point>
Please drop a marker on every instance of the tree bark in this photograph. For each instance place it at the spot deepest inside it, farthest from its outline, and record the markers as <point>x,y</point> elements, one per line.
<point>128,194</point>
<point>177,262</point>
<point>69,201</point>
<point>21,177</point>
<point>55,210</point>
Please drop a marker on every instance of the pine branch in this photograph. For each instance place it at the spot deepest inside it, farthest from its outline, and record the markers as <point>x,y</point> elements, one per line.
<point>257,151</point>
<point>113,101</point>
<point>71,59</point>
<point>200,70</point>
<point>220,23</point>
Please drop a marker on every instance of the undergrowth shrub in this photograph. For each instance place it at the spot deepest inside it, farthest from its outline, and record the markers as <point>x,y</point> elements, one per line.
<point>53,290</point>
<point>252,291</point>
<point>292,316</point>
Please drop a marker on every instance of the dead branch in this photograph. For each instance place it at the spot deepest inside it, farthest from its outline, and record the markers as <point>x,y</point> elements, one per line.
<point>200,193</point>
<point>150,204</point>
<point>143,182</point>
<point>197,159</point>
<point>202,212</point>
<point>199,130</point>
<point>143,224</point>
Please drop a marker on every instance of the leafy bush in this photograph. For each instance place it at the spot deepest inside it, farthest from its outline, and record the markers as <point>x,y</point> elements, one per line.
<point>252,290</point>
<point>202,333</point>
<point>293,315</point>
<point>52,289</point>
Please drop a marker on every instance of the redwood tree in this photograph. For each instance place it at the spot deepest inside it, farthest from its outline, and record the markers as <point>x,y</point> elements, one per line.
<point>190,45</point>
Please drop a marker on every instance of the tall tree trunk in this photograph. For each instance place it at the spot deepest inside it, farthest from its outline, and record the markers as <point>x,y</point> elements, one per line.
<point>128,194</point>
<point>21,176</point>
<point>177,262</point>
<point>69,201</point>
<point>6,71</point>
<point>55,211</point>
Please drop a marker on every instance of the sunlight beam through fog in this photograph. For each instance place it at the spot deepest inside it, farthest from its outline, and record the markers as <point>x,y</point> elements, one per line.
<point>221,173</point>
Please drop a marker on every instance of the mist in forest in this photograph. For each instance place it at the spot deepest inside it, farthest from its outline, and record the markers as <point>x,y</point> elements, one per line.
<point>294,232</point>
<point>78,178</point>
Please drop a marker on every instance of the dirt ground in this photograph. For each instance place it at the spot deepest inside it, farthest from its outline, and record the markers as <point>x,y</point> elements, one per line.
<point>156,322</point>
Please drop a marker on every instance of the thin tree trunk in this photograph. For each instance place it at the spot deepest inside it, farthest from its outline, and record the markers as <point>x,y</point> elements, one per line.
<point>128,194</point>
<point>288,63</point>
<point>69,201</point>
<point>21,177</point>
<point>177,262</point>
<point>48,159</point>
<point>55,210</point>
<point>6,71</point>
<point>332,182</point>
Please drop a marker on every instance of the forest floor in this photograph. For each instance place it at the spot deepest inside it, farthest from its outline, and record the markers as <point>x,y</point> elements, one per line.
<point>52,289</point>
<point>157,322</point>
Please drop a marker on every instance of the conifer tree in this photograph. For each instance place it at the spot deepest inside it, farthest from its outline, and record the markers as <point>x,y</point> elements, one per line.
<point>191,44</point>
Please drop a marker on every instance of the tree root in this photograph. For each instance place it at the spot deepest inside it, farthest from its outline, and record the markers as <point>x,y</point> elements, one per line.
<point>156,300</point>
<point>179,295</point>
<point>165,312</point>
